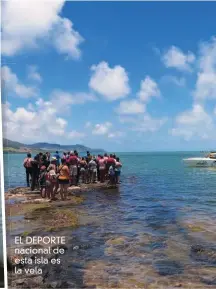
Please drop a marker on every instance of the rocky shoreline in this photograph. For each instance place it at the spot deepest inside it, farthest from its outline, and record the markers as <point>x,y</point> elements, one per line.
<point>27,214</point>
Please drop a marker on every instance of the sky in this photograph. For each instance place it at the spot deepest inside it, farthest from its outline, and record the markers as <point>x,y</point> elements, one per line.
<point>122,76</point>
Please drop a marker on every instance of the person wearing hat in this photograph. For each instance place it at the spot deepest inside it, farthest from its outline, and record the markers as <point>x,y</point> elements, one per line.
<point>53,161</point>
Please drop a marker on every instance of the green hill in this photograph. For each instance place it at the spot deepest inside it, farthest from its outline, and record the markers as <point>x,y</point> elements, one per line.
<point>17,147</point>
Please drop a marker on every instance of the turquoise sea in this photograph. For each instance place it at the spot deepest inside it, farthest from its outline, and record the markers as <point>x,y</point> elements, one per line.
<point>158,228</point>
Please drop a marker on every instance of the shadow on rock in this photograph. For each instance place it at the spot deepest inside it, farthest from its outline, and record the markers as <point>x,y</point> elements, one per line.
<point>168,267</point>
<point>203,254</point>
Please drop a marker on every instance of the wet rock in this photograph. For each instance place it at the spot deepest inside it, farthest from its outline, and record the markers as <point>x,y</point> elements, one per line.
<point>38,279</point>
<point>178,285</point>
<point>194,228</point>
<point>203,254</point>
<point>208,281</point>
<point>158,245</point>
<point>63,284</point>
<point>96,274</point>
<point>20,282</point>
<point>76,248</point>
<point>31,282</point>
<point>116,241</point>
<point>53,284</point>
<point>84,246</point>
<point>35,201</point>
<point>197,249</point>
<point>168,267</point>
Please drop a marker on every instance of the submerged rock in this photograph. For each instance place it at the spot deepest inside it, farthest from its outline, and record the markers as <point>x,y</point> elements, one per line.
<point>116,241</point>
<point>158,245</point>
<point>203,254</point>
<point>168,267</point>
<point>208,281</point>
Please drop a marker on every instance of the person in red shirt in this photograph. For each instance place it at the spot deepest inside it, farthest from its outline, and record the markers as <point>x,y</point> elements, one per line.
<point>110,161</point>
<point>73,163</point>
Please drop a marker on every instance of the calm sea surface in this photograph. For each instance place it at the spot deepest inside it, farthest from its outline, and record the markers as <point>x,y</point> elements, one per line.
<point>142,233</point>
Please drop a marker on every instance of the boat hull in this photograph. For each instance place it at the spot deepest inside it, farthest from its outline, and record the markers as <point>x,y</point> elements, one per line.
<point>200,162</point>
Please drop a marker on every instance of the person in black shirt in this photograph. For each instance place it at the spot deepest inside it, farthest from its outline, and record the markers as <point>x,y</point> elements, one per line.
<point>35,172</point>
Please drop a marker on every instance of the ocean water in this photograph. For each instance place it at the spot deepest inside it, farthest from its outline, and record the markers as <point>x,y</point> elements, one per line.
<point>143,233</point>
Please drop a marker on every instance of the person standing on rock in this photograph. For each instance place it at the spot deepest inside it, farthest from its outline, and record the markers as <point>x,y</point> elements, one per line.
<point>28,167</point>
<point>102,169</point>
<point>52,176</point>
<point>73,161</point>
<point>64,178</point>
<point>58,158</point>
<point>93,170</point>
<point>118,167</point>
<point>35,172</point>
<point>83,170</point>
<point>98,170</point>
<point>78,167</point>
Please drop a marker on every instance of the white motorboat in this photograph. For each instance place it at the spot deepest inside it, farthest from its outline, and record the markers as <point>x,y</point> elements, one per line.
<point>208,161</point>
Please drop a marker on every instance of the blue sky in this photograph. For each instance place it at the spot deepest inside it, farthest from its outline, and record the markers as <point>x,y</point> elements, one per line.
<point>121,76</point>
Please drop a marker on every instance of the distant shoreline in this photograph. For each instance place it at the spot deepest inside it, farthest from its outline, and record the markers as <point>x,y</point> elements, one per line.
<point>17,151</point>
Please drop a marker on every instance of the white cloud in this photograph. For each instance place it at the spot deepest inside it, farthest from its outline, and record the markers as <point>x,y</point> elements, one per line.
<point>148,89</point>
<point>144,123</point>
<point>179,81</point>
<point>197,122</point>
<point>12,85</point>
<point>102,129</point>
<point>34,74</point>
<point>149,124</point>
<point>206,78</point>
<point>66,39</point>
<point>196,115</point>
<point>30,106</point>
<point>131,107</point>
<point>63,99</point>
<point>42,124</point>
<point>176,58</point>
<point>25,24</point>
<point>116,134</point>
<point>107,130</point>
<point>127,119</point>
<point>76,135</point>
<point>111,83</point>
<point>194,123</point>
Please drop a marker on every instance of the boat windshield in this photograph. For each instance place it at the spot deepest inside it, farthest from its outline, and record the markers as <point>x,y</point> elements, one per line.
<point>211,155</point>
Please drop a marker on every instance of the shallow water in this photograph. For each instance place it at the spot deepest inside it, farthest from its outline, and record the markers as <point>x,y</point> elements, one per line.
<point>141,234</point>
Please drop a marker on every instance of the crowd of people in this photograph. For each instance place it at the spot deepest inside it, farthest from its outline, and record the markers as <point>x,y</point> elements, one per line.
<point>50,173</point>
